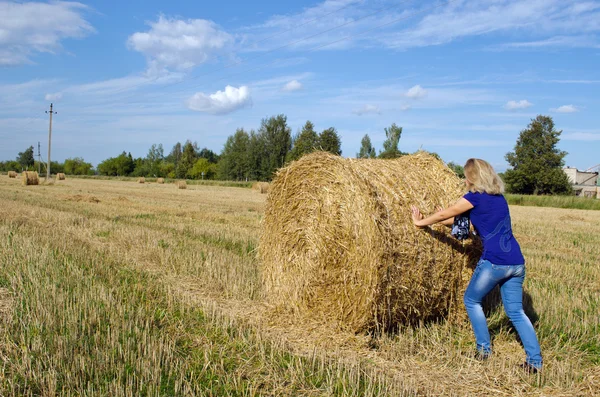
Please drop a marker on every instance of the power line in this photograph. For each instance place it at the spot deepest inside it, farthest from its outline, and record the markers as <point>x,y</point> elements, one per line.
<point>50,112</point>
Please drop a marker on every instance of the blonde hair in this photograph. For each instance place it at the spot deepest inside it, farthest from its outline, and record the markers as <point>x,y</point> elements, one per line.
<point>482,178</point>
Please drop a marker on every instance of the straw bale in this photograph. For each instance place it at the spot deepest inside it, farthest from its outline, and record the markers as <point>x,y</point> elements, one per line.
<point>142,180</point>
<point>338,244</point>
<point>262,187</point>
<point>181,185</point>
<point>12,174</point>
<point>30,178</point>
<point>160,180</point>
<point>60,176</point>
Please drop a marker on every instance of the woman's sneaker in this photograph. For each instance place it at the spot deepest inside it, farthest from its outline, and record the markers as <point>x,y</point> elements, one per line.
<point>530,369</point>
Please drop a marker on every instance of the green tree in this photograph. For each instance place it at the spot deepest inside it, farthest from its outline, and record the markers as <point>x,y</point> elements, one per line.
<point>233,164</point>
<point>77,166</point>
<point>188,158</point>
<point>367,151</point>
<point>208,154</point>
<point>202,169</point>
<point>390,145</point>
<point>256,152</point>
<point>25,158</point>
<point>175,154</point>
<point>277,139</point>
<point>304,142</point>
<point>536,161</point>
<point>10,165</point>
<point>154,159</point>
<point>330,141</point>
<point>458,169</point>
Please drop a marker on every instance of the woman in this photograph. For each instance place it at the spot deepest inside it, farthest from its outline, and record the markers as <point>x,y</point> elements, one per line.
<point>501,263</point>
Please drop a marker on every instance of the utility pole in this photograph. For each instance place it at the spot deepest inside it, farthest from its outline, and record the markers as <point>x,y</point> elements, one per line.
<point>39,159</point>
<point>49,141</point>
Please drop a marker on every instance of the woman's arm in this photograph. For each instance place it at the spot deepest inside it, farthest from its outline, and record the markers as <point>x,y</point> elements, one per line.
<point>462,205</point>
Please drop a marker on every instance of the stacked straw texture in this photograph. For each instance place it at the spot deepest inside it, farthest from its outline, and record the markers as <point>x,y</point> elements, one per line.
<point>160,180</point>
<point>12,174</point>
<point>182,185</point>
<point>338,243</point>
<point>60,176</point>
<point>30,178</point>
<point>142,180</point>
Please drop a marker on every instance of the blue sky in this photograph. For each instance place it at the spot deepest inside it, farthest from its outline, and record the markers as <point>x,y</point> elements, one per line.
<point>462,78</point>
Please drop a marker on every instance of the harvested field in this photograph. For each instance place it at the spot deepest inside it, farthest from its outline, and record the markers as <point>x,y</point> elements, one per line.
<point>157,291</point>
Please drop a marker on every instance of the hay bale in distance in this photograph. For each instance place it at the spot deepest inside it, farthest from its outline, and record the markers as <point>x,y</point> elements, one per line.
<point>338,244</point>
<point>181,185</point>
<point>30,178</point>
<point>12,174</point>
<point>262,187</point>
<point>60,176</point>
<point>142,180</point>
<point>160,180</point>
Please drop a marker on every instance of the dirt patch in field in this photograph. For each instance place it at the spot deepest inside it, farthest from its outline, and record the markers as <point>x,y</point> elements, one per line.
<point>573,218</point>
<point>87,198</point>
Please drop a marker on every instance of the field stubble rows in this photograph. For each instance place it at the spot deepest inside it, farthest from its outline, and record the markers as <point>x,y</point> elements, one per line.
<point>116,287</point>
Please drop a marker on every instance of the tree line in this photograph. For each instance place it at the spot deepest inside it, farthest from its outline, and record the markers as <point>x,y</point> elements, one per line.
<point>536,162</point>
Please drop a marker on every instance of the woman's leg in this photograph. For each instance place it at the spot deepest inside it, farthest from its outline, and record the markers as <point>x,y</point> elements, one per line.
<point>512,298</point>
<point>482,282</point>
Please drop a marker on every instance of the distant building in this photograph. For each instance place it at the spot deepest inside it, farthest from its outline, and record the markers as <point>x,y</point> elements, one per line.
<point>585,183</point>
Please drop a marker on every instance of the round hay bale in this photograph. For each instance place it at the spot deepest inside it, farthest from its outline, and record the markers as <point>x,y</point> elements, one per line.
<point>337,241</point>
<point>160,180</point>
<point>60,176</point>
<point>181,185</point>
<point>262,187</point>
<point>30,178</point>
<point>142,180</point>
<point>12,174</point>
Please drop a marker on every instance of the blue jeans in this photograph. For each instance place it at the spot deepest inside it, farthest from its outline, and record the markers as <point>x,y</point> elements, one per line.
<point>510,278</point>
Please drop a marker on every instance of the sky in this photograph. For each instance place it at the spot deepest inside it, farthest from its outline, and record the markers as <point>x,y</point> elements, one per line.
<point>462,78</point>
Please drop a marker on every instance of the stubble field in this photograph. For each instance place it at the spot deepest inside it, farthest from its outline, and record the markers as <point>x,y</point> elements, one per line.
<point>125,289</point>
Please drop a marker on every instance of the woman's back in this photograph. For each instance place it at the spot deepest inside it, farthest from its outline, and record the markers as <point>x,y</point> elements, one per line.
<point>491,218</point>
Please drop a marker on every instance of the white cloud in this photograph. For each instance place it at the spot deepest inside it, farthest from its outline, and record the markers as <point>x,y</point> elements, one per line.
<point>367,109</point>
<point>538,18</point>
<point>178,44</point>
<point>416,92</point>
<point>221,102</point>
<point>27,28</point>
<point>53,97</point>
<point>293,85</point>
<point>565,109</point>
<point>516,105</point>
<point>556,41</point>
<point>581,136</point>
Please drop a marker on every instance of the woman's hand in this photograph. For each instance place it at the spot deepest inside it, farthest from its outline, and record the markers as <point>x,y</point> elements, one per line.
<point>416,216</point>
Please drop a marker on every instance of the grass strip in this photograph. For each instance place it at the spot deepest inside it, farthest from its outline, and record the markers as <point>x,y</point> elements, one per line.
<point>82,324</point>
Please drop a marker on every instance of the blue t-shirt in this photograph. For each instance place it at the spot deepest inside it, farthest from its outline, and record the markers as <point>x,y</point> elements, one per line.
<point>491,219</point>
